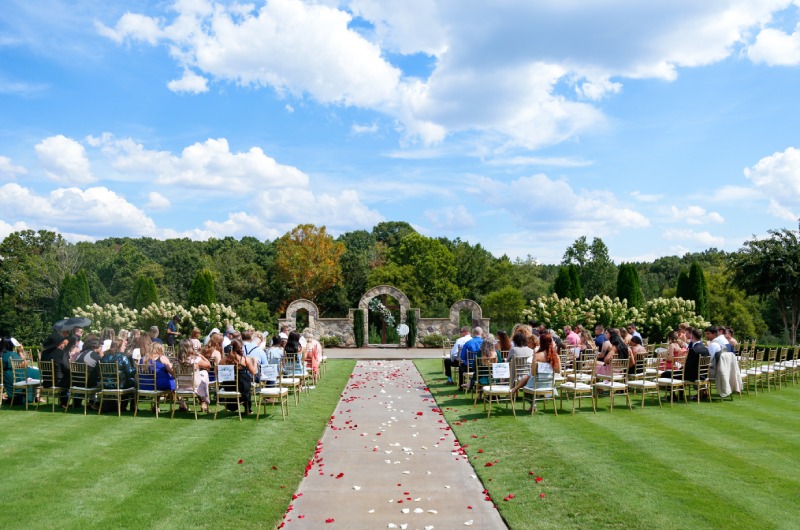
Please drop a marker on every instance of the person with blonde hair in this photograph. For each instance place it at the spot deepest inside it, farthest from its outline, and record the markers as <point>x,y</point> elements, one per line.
<point>188,356</point>
<point>313,351</point>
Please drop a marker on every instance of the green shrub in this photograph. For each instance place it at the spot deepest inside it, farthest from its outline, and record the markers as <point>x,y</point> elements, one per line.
<point>330,342</point>
<point>434,340</point>
<point>411,322</point>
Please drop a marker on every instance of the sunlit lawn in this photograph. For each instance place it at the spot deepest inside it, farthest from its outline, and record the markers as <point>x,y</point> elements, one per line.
<point>721,465</point>
<point>69,471</point>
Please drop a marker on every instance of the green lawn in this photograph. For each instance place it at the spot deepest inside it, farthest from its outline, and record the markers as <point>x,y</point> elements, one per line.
<point>70,471</point>
<point>721,465</point>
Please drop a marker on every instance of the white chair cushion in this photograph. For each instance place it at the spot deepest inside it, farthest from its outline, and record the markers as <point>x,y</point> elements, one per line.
<point>290,381</point>
<point>496,389</point>
<point>228,393</point>
<point>609,384</point>
<point>29,382</point>
<point>639,383</point>
<point>575,386</point>
<point>274,391</point>
<point>667,381</point>
<point>537,390</point>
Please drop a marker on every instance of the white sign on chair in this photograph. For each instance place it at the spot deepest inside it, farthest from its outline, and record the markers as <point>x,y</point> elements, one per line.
<point>269,372</point>
<point>501,371</point>
<point>226,372</point>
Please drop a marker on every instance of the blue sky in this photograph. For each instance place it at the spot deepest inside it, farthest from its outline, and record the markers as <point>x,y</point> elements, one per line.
<point>662,127</point>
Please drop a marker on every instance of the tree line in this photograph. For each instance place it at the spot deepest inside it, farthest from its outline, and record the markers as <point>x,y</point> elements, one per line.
<point>42,276</point>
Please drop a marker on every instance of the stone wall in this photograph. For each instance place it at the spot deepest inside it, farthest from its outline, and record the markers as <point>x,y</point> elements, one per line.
<point>343,327</point>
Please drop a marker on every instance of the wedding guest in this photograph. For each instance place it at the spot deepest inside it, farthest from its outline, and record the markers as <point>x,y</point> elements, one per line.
<point>503,343</point>
<point>54,350</point>
<point>313,351</point>
<point>520,348</point>
<point>547,352</point>
<point>106,337</point>
<point>126,370</point>
<point>453,360</point>
<point>246,368</point>
<point>195,339</point>
<point>165,375</point>
<point>187,355</point>
<point>9,352</point>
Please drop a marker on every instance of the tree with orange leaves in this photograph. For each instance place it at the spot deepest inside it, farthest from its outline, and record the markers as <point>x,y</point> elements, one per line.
<point>308,261</point>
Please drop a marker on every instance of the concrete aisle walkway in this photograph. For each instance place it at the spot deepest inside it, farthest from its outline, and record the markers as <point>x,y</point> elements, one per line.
<point>389,460</point>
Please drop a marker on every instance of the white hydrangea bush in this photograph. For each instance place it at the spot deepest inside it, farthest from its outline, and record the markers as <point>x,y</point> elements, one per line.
<point>108,316</point>
<point>662,315</point>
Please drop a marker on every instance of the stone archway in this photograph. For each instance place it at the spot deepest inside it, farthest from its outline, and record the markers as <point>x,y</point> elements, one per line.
<point>294,307</point>
<point>379,290</point>
<point>472,305</point>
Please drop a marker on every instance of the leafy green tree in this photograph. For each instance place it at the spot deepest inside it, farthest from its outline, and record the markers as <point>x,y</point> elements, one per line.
<point>597,271</point>
<point>628,285</point>
<point>770,268</point>
<point>698,290</point>
<point>568,283</point>
<point>391,232</point>
<point>434,267</point>
<point>257,314</point>
<point>504,307</point>
<point>683,289</point>
<point>144,292</point>
<point>202,290</point>
<point>732,307</point>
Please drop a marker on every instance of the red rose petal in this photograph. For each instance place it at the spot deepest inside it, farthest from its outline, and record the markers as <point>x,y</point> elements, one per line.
<point>275,468</point>
<point>329,520</point>
<point>541,495</point>
<point>539,479</point>
<point>480,450</point>
<point>489,464</point>
<point>240,461</point>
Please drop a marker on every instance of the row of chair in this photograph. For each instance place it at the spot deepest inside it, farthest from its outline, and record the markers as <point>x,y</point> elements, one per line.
<point>275,385</point>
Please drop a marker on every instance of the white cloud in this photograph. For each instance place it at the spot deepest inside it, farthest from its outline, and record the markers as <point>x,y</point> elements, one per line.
<point>157,202</point>
<point>496,68</point>
<point>9,170</point>
<point>207,165</point>
<point>190,82</point>
<point>781,212</point>
<point>93,211</point>
<point>778,175</point>
<point>776,48</point>
<point>364,129</point>
<point>6,228</point>
<point>451,218</point>
<point>557,212</point>
<point>64,160</point>
<point>646,197</point>
<point>293,206</point>
<point>539,161</point>
<point>132,26</point>
<point>695,215</point>
<point>704,238</point>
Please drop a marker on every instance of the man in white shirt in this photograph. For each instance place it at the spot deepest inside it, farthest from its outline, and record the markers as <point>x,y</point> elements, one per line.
<point>454,353</point>
<point>714,349</point>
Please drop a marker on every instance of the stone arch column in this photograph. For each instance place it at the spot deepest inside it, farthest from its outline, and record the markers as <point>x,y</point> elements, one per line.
<point>379,290</point>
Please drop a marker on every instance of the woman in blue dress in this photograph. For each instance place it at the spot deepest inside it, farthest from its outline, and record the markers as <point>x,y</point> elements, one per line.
<point>9,352</point>
<point>545,353</point>
<point>165,376</point>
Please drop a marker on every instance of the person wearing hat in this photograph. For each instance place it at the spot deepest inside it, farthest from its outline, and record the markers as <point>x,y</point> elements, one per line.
<point>54,350</point>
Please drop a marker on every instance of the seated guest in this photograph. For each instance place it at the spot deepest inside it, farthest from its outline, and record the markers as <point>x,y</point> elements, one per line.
<point>246,368</point>
<point>471,348</point>
<point>126,370</point>
<point>637,349</point>
<point>488,356</point>
<point>142,350</point>
<point>165,375</point>
<point>503,344</point>
<point>600,336</point>
<point>72,348</point>
<point>188,356</point>
<point>313,351</point>
<point>294,351</point>
<point>54,350</point>
<point>675,350</point>
<point>154,335</point>
<point>731,340</point>
<point>275,352</point>
<point>106,337</point>
<point>696,350</point>
<point>547,352</point>
<point>251,349</point>
<point>91,356</point>
<point>455,351</point>
<point>212,352</point>
<point>520,348</point>
<point>195,338</point>
<point>9,352</point>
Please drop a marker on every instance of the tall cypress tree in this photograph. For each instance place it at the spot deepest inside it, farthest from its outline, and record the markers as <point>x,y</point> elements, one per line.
<point>575,281</point>
<point>682,290</point>
<point>358,327</point>
<point>698,289</point>
<point>82,287</point>
<point>411,322</point>
<point>74,293</point>
<point>563,284</point>
<point>144,292</point>
<point>628,285</point>
<point>202,289</point>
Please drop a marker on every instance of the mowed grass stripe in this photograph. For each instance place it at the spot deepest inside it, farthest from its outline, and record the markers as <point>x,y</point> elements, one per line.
<point>101,472</point>
<point>720,465</point>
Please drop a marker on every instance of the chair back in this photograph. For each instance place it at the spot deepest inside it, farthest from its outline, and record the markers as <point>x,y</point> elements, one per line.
<point>502,355</point>
<point>771,356</point>
<point>703,364</point>
<point>18,370</point>
<point>184,376</point>
<point>78,375</point>
<point>543,374</point>
<point>271,376</point>
<point>619,370</point>
<point>520,368</point>
<point>483,370</point>
<point>109,376</point>
<point>146,376</point>
<point>47,374</point>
